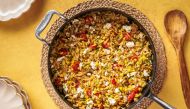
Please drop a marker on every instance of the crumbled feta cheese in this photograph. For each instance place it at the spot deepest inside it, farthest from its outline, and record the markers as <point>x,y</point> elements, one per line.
<point>88,107</point>
<point>92,29</point>
<point>66,77</point>
<point>75,95</point>
<point>111,101</point>
<point>121,48</point>
<point>130,44</point>
<point>72,45</point>
<point>120,80</point>
<point>86,26</point>
<point>130,52</point>
<point>80,90</point>
<point>107,51</point>
<point>85,50</point>
<point>127,28</point>
<point>140,35</point>
<point>128,75</point>
<point>98,76</point>
<point>73,36</point>
<point>75,20</point>
<point>81,95</point>
<point>106,73</point>
<point>90,102</point>
<point>102,64</point>
<point>88,74</point>
<point>80,65</point>
<point>133,73</point>
<point>117,90</point>
<point>116,58</point>
<point>125,98</point>
<point>106,83</point>
<point>98,36</point>
<point>107,26</point>
<point>116,75</point>
<point>93,65</point>
<point>65,87</point>
<point>145,73</point>
<point>60,58</point>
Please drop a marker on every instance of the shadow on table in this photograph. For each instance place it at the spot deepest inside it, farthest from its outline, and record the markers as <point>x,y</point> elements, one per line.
<point>25,19</point>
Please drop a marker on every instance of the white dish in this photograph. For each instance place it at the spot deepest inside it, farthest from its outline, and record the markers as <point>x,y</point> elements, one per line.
<point>13,8</point>
<point>9,98</point>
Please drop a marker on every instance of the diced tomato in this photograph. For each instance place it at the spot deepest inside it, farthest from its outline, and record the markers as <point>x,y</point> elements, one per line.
<point>131,96</point>
<point>75,66</point>
<point>116,66</point>
<point>126,51</point>
<point>84,37</point>
<point>134,57</point>
<point>93,46</point>
<point>63,51</point>
<point>83,32</point>
<point>97,93</point>
<point>127,36</point>
<point>136,90</point>
<point>89,20</point>
<point>113,81</point>
<point>105,44</point>
<point>89,92</point>
<point>101,106</point>
<point>77,83</point>
<point>57,81</point>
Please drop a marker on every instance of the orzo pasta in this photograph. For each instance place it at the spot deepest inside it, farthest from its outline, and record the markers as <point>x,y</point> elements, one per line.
<point>101,60</point>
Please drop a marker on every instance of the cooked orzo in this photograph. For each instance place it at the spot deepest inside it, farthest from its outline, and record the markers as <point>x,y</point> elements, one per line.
<point>101,60</point>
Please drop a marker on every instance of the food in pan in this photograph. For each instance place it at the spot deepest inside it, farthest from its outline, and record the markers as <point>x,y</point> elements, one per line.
<point>101,60</point>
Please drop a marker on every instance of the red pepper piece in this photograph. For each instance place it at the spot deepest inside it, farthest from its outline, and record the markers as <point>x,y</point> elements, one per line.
<point>116,65</point>
<point>127,36</point>
<point>63,51</point>
<point>77,83</point>
<point>105,44</point>
<point>97,94</point>
<point>134,57</point>
<point>84,37</point>
<point>89,20</point>
<point>136,90</point>
<point>93,46</point>
<point>113,81</point>
<point>75,66</point>
<point>131,96</point>
<point>57,81</point>
<point>101,106</point>
<point>89,92</point>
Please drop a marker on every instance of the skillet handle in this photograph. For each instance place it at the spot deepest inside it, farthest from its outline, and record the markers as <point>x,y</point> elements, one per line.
<point>159,101</point>
<point>43,24</point>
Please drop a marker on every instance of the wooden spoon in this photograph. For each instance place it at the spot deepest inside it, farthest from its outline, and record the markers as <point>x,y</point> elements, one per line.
<point>176,25</point>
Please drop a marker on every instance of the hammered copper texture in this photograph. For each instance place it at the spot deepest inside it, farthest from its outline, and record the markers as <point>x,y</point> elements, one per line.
<point>136,14</point>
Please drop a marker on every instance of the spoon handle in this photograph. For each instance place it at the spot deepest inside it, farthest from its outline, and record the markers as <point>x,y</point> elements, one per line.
<point>184,77</point>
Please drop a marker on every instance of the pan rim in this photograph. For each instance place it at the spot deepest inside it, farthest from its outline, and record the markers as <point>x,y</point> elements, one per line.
<point>154,60</point>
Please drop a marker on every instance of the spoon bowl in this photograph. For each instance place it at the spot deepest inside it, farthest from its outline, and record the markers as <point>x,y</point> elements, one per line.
<point>176,25</point>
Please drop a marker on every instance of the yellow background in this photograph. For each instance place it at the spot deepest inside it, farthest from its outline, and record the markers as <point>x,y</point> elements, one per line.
<point>20,51</point>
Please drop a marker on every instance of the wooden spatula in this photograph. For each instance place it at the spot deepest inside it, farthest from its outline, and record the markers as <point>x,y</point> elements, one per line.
<point>176,25</point>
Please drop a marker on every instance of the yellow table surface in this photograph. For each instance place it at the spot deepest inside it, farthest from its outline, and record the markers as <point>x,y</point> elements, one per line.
<point>20,51</point>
